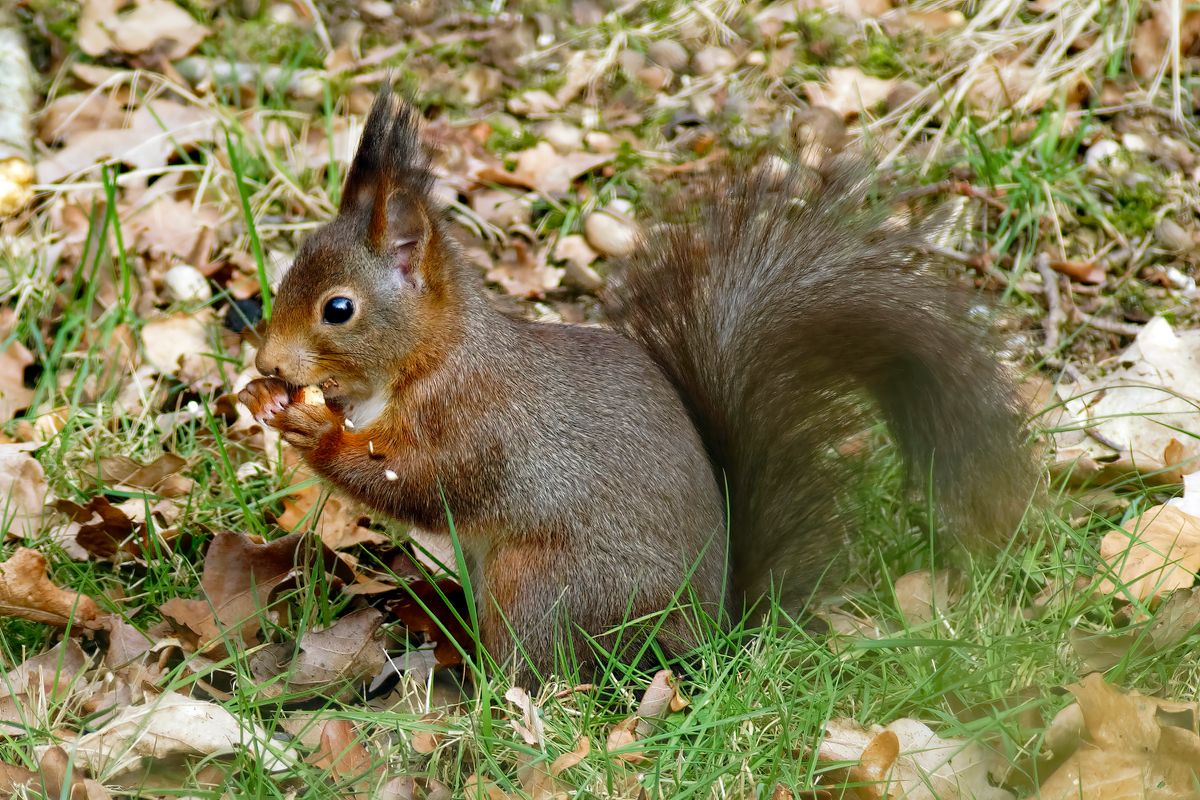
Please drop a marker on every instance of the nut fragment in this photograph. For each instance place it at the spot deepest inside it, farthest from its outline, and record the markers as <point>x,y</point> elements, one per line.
<point>311,395</point>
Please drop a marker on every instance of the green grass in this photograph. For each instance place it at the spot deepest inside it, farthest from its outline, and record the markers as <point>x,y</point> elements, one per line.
<point>989,667</point>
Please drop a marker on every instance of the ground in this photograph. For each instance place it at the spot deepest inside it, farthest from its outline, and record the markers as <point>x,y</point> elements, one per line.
<point>181,151</point>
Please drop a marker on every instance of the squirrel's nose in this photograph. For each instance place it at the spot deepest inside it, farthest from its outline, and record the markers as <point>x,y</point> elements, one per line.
<point>267,365</point>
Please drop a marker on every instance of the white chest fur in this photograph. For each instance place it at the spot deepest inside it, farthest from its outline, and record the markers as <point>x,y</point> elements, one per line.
<point>364,412</point>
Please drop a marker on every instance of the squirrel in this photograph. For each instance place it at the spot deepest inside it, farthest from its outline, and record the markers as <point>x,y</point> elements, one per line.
<point>686,457</point>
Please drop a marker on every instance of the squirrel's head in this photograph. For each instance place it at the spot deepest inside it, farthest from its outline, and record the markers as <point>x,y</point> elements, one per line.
<point>369,290</point>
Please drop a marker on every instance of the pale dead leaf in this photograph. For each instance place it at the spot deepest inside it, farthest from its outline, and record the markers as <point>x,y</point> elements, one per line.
<point>927,767</point>
<point>1156,552</point>
<point>523,271</point>
<point>1126,750</point>
<point>158,25</point>
<point>147,140</point>
<point>171,725</point>
<point>27,592</point>
<point>29,692</point>
<point>239,576</point>
<point>331,662</point>
<point>168,339</point>
<point>59,778</point>
<point>339,522</point>
<point>22,491</point>
<point>545,170</point>
<point>426,740</point>
<point>661,697</point>
<point>849,91</point>
<point>920,595</point>
<point>14,396</point>
<point>567,760</point>
<point>529,725</point>
<point>1150,400</point>
<point>342,755</point>
<point>169,229</point>
<point>160,476</point>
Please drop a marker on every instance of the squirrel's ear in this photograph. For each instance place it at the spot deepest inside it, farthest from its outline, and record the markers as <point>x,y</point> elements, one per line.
<point>390,180</point>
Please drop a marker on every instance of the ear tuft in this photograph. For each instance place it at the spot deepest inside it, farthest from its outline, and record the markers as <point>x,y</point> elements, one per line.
<point>391,159</point>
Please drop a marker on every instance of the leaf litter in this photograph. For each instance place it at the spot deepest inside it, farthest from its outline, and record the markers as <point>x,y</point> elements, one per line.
<point>176,209</point>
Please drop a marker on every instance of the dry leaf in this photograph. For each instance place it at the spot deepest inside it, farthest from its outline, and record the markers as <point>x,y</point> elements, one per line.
<point>545,170</point>
<point>1126,751</point>
<point>1155,553</point>
<point>340,522</point>
<point>1139,408</point>
<point>27,592</point>
<point>920,595</point>
<point>849,91</point>
<point>331,662</point>
<point>168,339</point>
<point>29,692</point>
<point>150,136</point>
<point>239,576</point>
<point>158,25</point>
<point>22,491</point>
<point>342,755</point>
<point>425,741</point>
<point>529,726</point>
<point>926,767</point>
<point>159,476</point>
<point>171,725</point>
<point>60,778</point>
<point>14,396</point>
<point>523,271</point>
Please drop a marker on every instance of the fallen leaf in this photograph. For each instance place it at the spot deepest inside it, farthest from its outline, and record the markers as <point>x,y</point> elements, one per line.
<point>332,662</point>
<point>60,778</point>
<point>1126,420</point>
<point>150,136</point>
<point>446,604</point>
<point>168,339</point>
<point>343,756</point>
<point>576,756</point>
<point>1124,750</point>
<point>14,396</point>
<point>338,520</point>
<point>26,591</point>
<point>159,476</point>
<point>1154,553</point>
<point>239,577</point>
<point>529,725</point>
<point>426,740</point>
<point>849,91</point>
<point>919,764</point>
<point>22,491</point>
<point>545,170</point>
<point>13,777</point>
<point>524,271</point>
<point>158,25</point>
<point>172,725</point>
<point>30,691</point>
<point>920,595</point>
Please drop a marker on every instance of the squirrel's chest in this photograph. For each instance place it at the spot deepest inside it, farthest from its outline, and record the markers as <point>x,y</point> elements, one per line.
<point>362,413</point>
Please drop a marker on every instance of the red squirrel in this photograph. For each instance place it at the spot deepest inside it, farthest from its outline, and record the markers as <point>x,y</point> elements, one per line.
<point>686,458</point>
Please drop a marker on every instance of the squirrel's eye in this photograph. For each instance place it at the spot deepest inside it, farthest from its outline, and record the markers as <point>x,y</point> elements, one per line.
<point>338,310</point>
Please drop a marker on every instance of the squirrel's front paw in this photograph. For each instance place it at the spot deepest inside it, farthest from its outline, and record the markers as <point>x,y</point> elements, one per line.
<point>305,425</point>
<point>265,397</point>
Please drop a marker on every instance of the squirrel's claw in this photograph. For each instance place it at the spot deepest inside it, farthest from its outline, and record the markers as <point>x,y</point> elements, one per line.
<point>266,398</point>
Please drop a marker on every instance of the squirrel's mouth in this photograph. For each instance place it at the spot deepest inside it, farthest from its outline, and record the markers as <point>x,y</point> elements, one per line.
<point>332,391</point>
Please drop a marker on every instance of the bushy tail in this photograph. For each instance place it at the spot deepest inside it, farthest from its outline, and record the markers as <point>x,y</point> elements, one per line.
<point>777,304</point>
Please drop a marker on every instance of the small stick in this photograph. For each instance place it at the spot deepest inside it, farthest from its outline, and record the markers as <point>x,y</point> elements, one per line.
<point>1054,315</point>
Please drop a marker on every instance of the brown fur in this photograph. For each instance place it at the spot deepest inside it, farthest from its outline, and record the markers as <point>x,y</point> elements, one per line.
<point>576,473</point>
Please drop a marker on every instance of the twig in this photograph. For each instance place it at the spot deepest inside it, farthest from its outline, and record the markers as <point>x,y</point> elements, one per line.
<point>953,186</point>
<point>1054,315</point>
<point>1108,325</point>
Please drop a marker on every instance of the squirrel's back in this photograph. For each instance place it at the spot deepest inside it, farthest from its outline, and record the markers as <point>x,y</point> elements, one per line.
<point>779,304</point>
